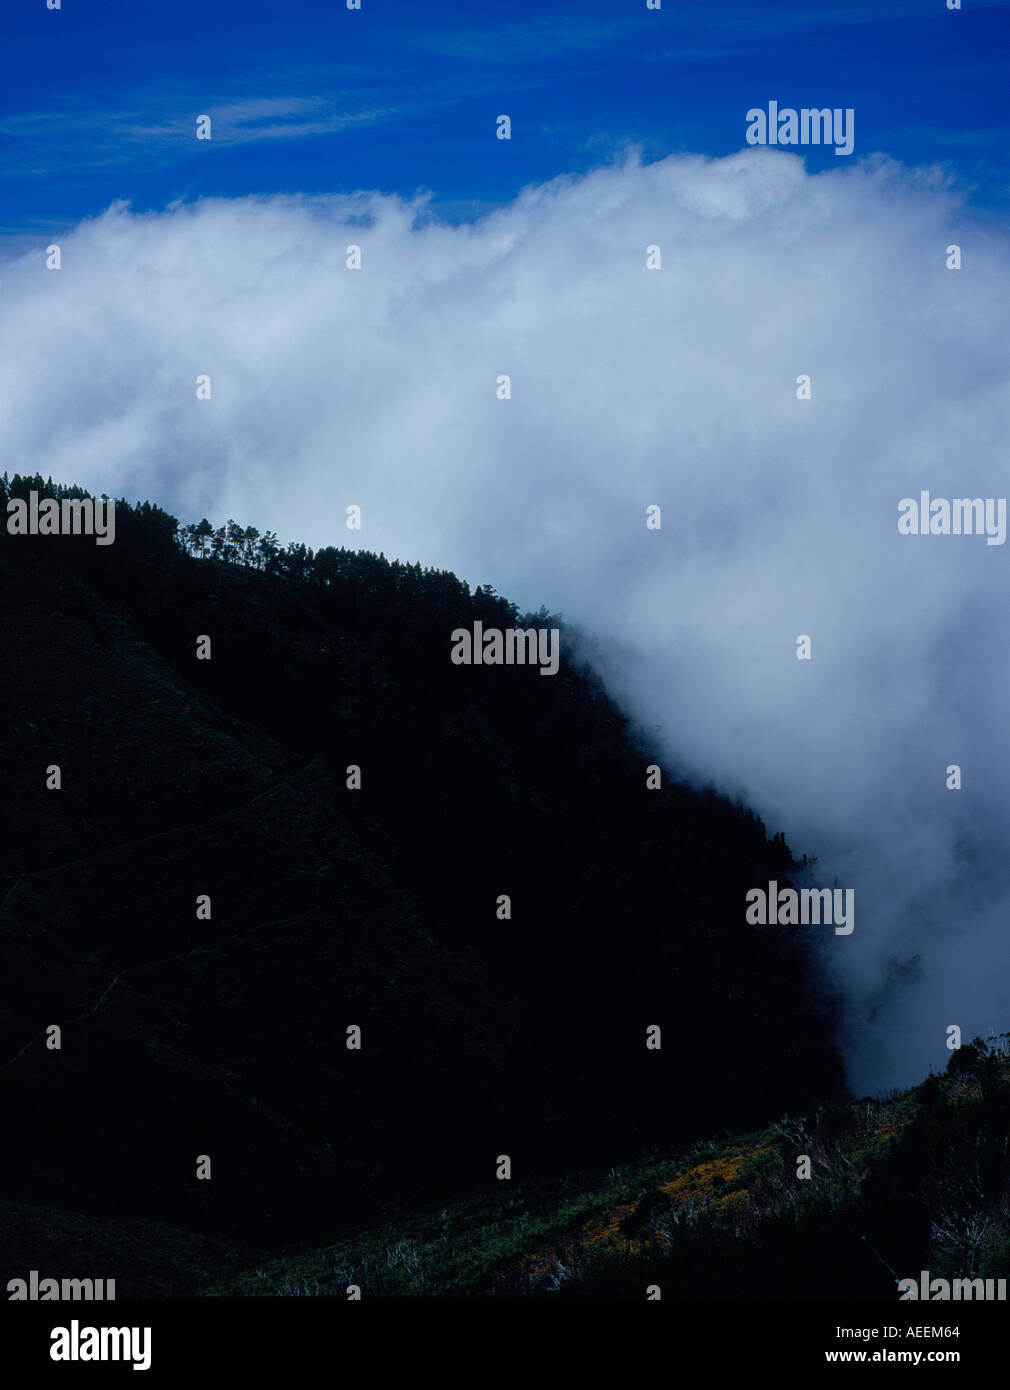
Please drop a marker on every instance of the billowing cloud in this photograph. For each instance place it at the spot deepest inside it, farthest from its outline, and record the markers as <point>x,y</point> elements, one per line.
<point>630,387</point>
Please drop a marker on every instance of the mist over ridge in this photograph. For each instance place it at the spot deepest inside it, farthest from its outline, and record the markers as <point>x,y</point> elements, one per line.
<point>629,388</point>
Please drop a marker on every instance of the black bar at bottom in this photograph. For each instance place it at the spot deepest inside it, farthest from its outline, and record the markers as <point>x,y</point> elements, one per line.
<point>299,1338</point>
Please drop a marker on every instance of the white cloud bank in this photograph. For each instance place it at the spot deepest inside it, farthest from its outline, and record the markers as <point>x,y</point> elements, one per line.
<point>630,387</point>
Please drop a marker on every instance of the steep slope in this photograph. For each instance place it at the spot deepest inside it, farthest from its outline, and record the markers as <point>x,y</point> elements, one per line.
<point>334,907</point>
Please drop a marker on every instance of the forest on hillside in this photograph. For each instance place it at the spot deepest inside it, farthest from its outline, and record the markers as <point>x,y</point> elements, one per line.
<point>336,905</point>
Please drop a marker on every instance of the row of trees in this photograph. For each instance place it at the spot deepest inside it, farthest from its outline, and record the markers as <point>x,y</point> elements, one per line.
<point>232,543</point>
<point>145,530</point>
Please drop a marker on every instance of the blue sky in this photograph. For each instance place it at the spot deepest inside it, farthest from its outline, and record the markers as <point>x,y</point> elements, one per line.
<point>98,101</point>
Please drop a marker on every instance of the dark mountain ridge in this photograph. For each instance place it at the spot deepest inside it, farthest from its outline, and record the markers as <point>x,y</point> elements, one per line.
<point>334,907</point>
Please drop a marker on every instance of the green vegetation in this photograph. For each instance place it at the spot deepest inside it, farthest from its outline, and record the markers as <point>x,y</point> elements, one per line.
<point>918,1181</point>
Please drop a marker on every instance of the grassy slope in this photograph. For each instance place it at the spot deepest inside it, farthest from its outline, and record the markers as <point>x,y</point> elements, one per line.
<point>664,1219</point>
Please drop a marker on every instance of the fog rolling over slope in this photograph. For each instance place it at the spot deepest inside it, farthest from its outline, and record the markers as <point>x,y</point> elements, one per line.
<point>676,386</point>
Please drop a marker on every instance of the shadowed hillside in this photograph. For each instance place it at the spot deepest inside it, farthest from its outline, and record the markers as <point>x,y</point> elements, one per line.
<point>911,1181</point>
<point>334,907</point>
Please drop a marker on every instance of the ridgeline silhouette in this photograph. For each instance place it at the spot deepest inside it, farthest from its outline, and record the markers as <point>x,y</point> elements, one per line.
<point>334,907</point>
